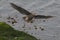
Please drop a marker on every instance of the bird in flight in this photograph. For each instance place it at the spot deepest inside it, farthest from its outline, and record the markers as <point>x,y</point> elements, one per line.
<point>29,16</point>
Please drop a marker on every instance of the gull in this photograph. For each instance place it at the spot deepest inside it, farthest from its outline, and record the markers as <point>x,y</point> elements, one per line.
<point>28,15</point>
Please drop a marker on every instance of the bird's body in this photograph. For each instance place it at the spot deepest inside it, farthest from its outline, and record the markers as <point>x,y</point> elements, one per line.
<point>29,16</point>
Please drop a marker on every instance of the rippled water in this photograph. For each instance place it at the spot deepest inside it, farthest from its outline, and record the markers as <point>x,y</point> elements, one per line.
<point>41,7</point>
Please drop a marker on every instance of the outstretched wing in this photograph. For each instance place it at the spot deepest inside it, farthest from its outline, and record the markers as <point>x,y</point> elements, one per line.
<point>20,9</point>
<point>42,17</point>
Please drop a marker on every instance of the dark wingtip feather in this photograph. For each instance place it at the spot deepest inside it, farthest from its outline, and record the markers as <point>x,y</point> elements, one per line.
<point>43,17</point>
<point>49,16</point>
<point>13,5</point>
<point>20,9</point>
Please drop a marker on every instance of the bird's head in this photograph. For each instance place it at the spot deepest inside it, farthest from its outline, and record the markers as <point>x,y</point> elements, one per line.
<point>25,18</point>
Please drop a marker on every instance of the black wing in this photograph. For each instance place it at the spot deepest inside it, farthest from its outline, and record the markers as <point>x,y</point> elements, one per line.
<point>20,9</point>
<point>42,17</point>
